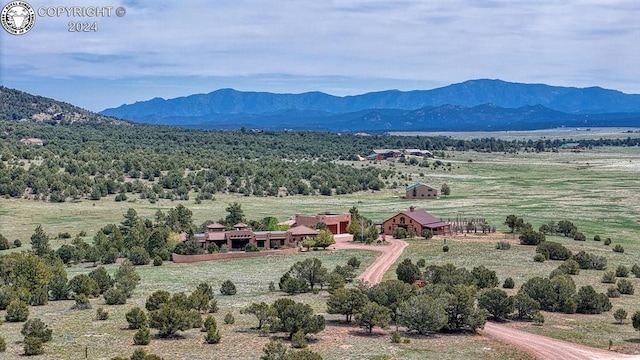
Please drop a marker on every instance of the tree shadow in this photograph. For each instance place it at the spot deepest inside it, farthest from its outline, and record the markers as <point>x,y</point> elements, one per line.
<point>634,341</point>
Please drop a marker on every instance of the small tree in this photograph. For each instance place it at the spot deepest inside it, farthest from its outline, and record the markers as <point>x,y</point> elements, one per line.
<point>526,308</point>
<point>126,278</point>
<point>199,300</point>
<point>40,242</point>
<point>36,328</point>
<point>101,314</point>
<point>81,302</point>
<point>625,287</point>
<point>531,237</point>
<point>408,272</point>
<point>445,189</point>
<point>426,234</point>
<point>635,270</point>
<point>346,302</point>
<point>83,284</point>
<point>114,297</point>
<point>635,320</point>
<point>157,260</point>
<point>209,322</point>
<point>354,262</point>
<point>618,248</point>
<point>497,303</point>
<point>142,336</point>
<point>274,350</point>
<point>102,278</point>
<point>139,256</point>
<point>508,283</point>
<point>423,314</point>
<point>293,317</point>
<point>3,345</point>
<point>298,340</point>
<point>262,311</point>
<point>228,288</point>
<point>4,244</point>
<point>308,243</point>
<point>229,319</point>
<point>170,318</point>
<point>622,271</point>
<point>609,277</point>
<point>33,346</point>
<point>400,233</point>
<point>136,318</point>
<point>372,315</point>
<point>212,336</point>
<point>17,311</point>
<point>325,239</point>
<point>620,315</point>
<point>156,299</point>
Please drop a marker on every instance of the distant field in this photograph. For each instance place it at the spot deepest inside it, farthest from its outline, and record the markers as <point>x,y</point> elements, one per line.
<point>550,134</point>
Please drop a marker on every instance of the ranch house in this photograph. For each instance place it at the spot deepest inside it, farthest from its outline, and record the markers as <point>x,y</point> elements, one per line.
<point>242,235</point>
<point>417,220</point>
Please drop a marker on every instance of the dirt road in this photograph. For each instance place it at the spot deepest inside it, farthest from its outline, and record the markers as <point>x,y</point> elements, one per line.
<point>389,254</point>
<point>540,347</point>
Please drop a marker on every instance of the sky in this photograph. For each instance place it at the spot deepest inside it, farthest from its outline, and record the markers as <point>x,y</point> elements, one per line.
<point>168,49</point>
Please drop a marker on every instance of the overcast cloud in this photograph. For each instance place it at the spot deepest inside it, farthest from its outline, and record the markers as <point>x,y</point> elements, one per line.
<point>174,48</point>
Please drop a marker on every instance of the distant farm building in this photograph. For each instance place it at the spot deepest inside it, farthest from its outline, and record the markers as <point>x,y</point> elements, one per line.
<point>384,154</point>
<point>417,220</point>
<point>421,191</point>
<point>242,235</point>
<point>32,141</point>
<point>336,223</point>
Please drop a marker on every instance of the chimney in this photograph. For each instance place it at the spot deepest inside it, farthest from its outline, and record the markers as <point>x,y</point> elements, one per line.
<point>411,208</point>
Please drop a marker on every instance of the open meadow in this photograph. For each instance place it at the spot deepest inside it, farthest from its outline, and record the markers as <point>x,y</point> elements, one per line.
<point>598,190</point>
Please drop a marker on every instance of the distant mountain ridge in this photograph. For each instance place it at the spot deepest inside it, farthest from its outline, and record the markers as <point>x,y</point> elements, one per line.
<point>478,104</point>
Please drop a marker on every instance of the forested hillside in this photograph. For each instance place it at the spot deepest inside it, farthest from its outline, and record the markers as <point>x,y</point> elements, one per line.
<point>20,106</point>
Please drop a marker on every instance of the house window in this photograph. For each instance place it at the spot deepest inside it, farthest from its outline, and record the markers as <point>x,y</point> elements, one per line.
<point>401,220</point>
<point>394,220</point>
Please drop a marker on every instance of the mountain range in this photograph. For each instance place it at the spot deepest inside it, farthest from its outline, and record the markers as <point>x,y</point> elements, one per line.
<point>472,105</point>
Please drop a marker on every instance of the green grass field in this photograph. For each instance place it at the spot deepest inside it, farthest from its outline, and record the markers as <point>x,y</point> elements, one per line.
<point>599,190</point>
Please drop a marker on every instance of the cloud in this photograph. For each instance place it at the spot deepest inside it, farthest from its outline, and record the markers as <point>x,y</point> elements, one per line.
<point>574,43</point>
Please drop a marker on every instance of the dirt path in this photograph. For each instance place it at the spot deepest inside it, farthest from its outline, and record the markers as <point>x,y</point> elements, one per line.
<point>389,254</point>
<point>541,347</point>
